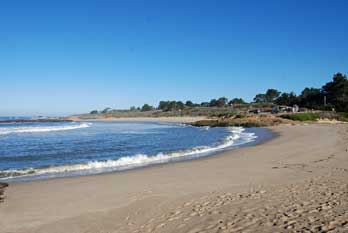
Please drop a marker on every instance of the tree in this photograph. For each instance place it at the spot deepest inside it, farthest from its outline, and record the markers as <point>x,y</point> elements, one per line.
<point>269,97</point>
<point>272,95</point>
<point>311,98</point>
<point>336,92</point>
<point>288,99</point>
<point>260,98</point>
<point>205,104</point>
<point>189,104</point>
<point>133,108</point>
<point>179,105</point>
<point>221,102</point>
<point>163,105</point>
<point>146,108</point>
<point>171,105</point>
<point>236,101</point>
<point>213,103</point>
<point>106,110</point>
<point>94,112</point>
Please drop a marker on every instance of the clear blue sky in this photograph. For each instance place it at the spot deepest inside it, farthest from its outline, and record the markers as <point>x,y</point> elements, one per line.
<point>62,57</point>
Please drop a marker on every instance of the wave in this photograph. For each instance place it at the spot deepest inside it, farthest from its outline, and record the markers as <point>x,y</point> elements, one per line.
<point>237,137</point>
<point>37,129</point>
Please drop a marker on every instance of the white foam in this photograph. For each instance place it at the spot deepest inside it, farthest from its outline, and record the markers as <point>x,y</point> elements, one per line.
<point>38,129</point>
<point>237,137</point>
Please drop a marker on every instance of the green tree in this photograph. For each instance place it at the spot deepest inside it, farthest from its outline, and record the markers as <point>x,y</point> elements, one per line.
<point>179,105</point>
<point>171,105</point>
<point>260,98</point>
<point>336,92</point>
<point>146,108</point>
<point>106,110</point>
<point>237,101</point>
<point>205,104</point>
<point>311,98</point>
<point>221,102</point>
<point>288,99</point>
<point>272,95</point>
<point>163,105</point>
<point>269,97</point>
<point>213,103</point>
<point>189,104</point>
<point>94,112</point>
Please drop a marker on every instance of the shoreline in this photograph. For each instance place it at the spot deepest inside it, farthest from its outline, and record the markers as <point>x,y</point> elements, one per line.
<point>266,136</point>
<point>167,198</point>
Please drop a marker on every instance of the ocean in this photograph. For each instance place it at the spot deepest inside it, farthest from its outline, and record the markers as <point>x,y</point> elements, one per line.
<point>30,151</point>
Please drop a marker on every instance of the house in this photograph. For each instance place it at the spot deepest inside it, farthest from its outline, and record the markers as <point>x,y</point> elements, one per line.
<point>284,108</point>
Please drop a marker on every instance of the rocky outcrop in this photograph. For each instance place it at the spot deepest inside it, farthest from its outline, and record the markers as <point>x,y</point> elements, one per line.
<point>252,120</point>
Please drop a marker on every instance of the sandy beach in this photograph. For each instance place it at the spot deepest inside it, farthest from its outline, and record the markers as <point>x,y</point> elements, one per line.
<point>295,182</point>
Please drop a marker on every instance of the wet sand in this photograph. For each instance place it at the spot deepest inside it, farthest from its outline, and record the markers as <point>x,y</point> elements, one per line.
<point>296,182</point>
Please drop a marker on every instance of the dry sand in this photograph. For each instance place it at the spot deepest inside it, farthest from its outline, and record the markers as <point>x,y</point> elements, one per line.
<point>296,182</point>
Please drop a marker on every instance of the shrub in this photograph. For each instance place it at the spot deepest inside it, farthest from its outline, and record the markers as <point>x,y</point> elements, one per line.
<point>342,116</point>
<point>302,116</point>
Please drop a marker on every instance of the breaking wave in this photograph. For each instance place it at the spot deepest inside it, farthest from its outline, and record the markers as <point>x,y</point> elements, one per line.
<point>236,137</point>
<point>38,129</point>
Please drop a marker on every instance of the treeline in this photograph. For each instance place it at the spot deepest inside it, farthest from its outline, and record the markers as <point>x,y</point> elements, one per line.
<point>167,106</point>
<point>332,95</point>
<point>179,105</point>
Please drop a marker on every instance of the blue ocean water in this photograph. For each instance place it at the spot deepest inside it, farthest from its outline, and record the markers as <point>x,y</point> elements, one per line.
<point>43,150</point>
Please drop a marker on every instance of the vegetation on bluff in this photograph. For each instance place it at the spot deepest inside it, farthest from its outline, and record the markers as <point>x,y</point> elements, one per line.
<point>342,116</point>
<point>308,116</point>
<point>249,120</point>
<point>270,96</point>
<point>313,116</point>
<point>331,96</point>
<point>146,108</point>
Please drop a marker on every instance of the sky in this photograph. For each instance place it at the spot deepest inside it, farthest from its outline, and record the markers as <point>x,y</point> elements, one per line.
<point>63,57</point>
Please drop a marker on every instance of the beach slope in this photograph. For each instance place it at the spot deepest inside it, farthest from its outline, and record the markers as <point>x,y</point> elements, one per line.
<point>297,181</point>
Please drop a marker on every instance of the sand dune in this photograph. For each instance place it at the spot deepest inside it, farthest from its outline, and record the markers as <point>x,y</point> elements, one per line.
<point>296,182</point>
